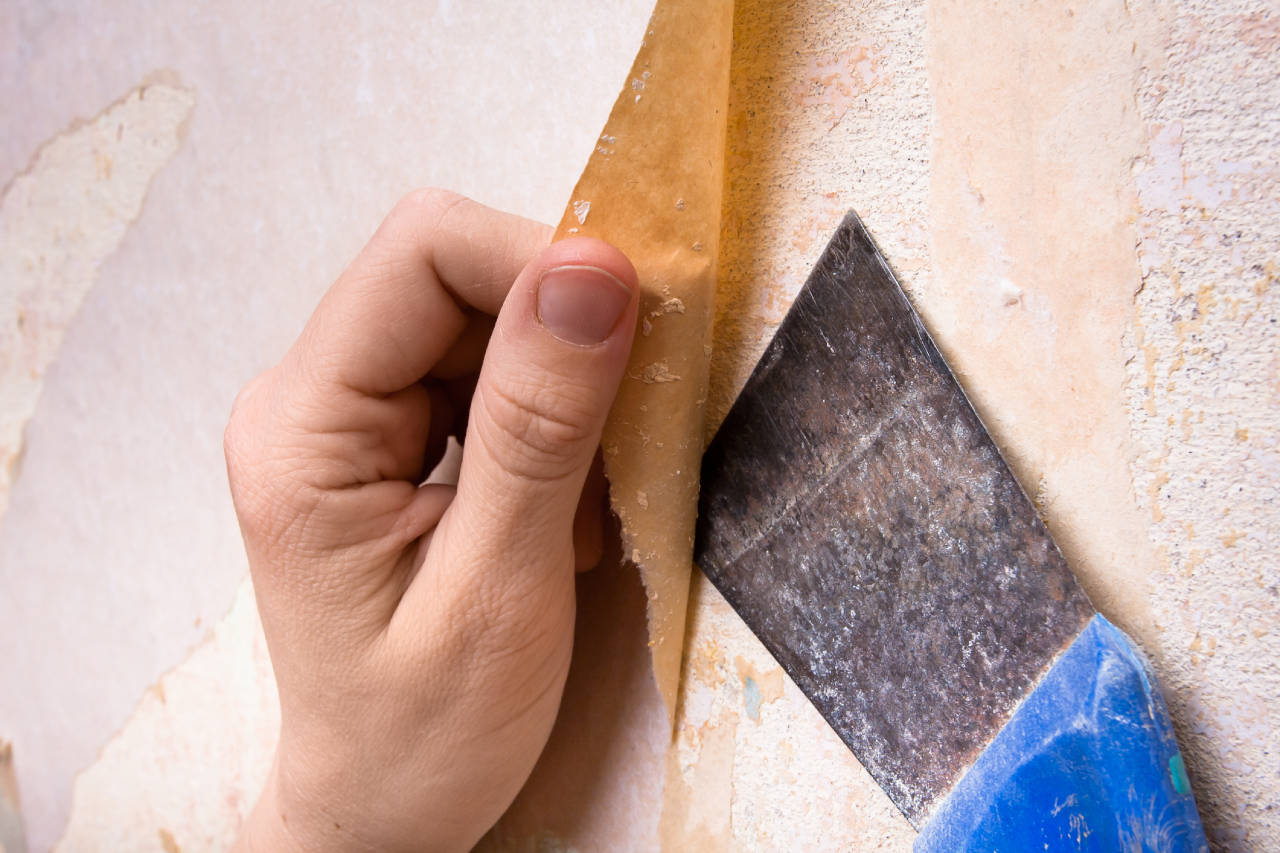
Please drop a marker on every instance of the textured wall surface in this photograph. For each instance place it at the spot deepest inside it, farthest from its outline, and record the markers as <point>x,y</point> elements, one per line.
<point>119,551</point>
<point>1082,199</point>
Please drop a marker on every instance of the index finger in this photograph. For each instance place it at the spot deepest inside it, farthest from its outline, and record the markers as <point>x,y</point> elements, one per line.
<point>399,307</point>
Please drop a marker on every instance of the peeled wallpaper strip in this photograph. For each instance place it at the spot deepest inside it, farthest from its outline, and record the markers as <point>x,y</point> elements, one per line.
<point>653,188</point>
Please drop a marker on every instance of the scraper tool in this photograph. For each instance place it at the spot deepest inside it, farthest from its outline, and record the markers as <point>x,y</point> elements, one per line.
<point>857,515</point>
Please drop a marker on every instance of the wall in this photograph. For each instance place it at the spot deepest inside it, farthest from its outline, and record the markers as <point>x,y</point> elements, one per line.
<point>1081,199</point>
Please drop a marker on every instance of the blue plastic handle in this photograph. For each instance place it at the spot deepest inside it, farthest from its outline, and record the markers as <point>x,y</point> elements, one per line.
<point>1088,762</point>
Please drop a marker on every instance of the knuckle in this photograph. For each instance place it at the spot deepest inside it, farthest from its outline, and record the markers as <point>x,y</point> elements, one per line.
<point>263,498</point>
<point>239,433</point>
<point>537,431</point>
<point>427,204</point>
<point>280,517</point>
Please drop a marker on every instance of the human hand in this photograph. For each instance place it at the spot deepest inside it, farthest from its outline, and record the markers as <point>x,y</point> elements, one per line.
<point>421,635</point>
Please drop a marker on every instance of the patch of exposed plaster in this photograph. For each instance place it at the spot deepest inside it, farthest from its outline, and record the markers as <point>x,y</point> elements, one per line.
<point>213,720</point>
<point>1042,171</point>
<point>759,687</point>
<point>700,793</point>
<point>59,220</point>
<point>1032,299</point>
<point>778,779</point>
<point>829,110</point>
<point>1203,389</point>
<point>838,80</point>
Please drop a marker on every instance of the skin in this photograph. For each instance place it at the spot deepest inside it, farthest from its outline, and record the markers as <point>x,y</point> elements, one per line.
<point>421,635</point>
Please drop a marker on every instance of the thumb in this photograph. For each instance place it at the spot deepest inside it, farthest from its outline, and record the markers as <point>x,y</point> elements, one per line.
<point>552,368</point>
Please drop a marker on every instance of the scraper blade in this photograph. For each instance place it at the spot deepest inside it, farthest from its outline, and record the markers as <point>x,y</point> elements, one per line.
<point>857,515</point>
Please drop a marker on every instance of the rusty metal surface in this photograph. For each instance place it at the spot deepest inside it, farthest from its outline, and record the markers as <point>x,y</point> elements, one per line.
<point>857,515</point>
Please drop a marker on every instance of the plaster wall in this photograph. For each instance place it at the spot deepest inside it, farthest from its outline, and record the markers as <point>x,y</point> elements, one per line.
<point>1082,200</point>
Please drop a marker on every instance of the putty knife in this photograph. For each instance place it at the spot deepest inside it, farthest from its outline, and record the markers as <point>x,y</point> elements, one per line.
<point>858,517</point>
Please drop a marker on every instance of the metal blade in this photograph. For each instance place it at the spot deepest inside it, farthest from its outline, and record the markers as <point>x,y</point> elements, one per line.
<point>857,515</point>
